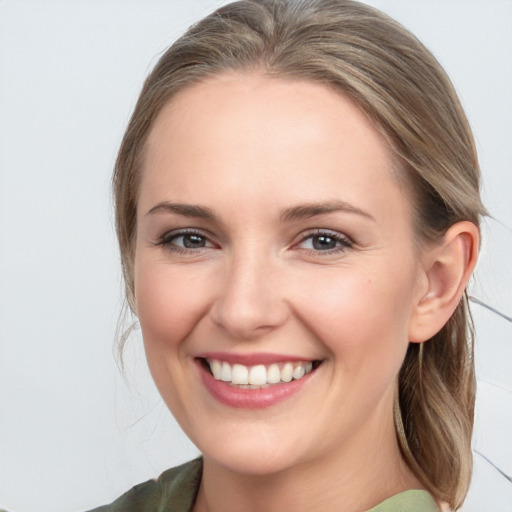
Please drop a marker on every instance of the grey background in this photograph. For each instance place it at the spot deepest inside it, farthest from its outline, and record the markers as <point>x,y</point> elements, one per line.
<point>73,433</point>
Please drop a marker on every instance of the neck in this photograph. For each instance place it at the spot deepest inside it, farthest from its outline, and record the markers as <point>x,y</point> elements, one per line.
<point>360,474</point>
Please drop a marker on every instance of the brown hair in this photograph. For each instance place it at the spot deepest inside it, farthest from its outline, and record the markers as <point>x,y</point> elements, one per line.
<point>395,80</point>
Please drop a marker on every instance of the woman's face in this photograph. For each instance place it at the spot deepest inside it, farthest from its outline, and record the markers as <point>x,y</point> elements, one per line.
<point>273,243</point>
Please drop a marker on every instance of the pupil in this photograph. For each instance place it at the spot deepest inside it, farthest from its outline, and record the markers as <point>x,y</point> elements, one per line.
<point>324,242</point>
<point>193,241</point>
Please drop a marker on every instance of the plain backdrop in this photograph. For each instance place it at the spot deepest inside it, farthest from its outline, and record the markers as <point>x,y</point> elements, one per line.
<point>73,433</point>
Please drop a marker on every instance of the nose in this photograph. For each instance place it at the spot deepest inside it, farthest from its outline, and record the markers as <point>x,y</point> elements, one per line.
<point>250,301</point>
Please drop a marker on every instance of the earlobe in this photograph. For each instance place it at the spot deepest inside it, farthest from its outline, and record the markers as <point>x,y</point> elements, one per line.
<point>447,268</point>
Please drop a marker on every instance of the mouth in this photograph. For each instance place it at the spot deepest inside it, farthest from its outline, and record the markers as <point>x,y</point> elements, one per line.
<point>259,376</point>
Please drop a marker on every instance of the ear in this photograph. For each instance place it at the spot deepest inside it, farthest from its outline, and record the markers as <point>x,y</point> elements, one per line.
<point>447,268</point>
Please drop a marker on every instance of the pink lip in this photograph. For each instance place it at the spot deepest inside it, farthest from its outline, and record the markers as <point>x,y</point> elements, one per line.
<point>240,398</point>
<point>251,359</point>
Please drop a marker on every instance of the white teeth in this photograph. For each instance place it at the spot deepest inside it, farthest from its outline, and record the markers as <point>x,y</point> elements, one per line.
<point>260,375</point>
<point>225,373</point>
<point>216,368</point>
<point>298,372</point>
<point>240,374</point>
<point>287,372</point>
<point>273,374</point>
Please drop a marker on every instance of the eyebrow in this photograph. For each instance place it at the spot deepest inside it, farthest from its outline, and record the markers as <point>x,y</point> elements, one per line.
<point>186,210</point>
<point>299,212</point>
<point>306,211</point>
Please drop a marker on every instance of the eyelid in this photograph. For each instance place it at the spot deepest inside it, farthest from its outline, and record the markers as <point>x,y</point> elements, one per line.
<point>166,240</point>
<point>345,241</point>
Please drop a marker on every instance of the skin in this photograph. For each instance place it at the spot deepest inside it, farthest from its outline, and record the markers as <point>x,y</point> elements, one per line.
<point>248,148</point>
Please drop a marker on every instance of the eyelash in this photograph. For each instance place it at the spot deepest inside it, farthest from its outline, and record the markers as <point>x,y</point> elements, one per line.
<point>343,242</point>
<point>167,241</point>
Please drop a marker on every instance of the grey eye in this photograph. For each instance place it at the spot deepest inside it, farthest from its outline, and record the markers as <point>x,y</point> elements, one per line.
<point>191,241</point>
<point>320,242</point>
<point>184,240</point>
<point>326,242</point>
<point>323,242</point>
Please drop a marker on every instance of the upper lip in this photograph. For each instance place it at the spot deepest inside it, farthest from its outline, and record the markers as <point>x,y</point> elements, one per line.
<point>252,359</point>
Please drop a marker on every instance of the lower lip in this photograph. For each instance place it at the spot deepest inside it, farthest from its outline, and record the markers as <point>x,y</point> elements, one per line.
<point>240,398</point>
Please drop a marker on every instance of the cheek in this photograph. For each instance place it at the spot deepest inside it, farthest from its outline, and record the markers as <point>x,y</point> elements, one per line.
<point>361,316</point>
<point>170,301</point>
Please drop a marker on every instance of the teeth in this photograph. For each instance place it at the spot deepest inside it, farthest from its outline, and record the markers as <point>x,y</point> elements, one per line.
<point>299,372</point>
<point>260,375</point>
<point>216,368</point>
<point>287,372</point>
<point>240,374</point>
<point>225,372</point>
<point>273,374</point>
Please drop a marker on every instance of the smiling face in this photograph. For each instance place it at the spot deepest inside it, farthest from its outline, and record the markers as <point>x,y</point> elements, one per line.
<point>273,243</point>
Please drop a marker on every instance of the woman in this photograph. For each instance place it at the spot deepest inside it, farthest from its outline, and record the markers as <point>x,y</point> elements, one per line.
<point>297,206</point>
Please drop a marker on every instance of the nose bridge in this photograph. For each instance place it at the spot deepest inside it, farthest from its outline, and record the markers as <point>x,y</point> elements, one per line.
<point>249,302</point>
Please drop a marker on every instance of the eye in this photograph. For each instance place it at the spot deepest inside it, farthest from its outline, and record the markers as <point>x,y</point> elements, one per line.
<point>185,241</point>
<point>324,241</point>
<point>190,241</point>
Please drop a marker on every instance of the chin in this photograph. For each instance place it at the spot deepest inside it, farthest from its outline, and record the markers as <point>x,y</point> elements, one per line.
<point>250,454</point>
<point>253,463</point>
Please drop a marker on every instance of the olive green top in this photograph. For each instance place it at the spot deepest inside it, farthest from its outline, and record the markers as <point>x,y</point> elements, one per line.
<point>176,490</point>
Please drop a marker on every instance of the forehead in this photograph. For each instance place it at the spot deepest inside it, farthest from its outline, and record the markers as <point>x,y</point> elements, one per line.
<point>249,134</point>
<point>262,107</point>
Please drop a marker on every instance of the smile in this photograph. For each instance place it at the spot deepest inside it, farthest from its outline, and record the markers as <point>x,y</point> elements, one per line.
<point>258,376</point>
<point>254,381</point>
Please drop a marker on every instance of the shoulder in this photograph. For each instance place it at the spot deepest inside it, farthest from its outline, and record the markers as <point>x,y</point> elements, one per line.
<point>175,490</point>
<point>408,501</point>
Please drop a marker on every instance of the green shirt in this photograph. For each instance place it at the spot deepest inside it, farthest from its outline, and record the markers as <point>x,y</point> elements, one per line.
<point>176,490</point>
